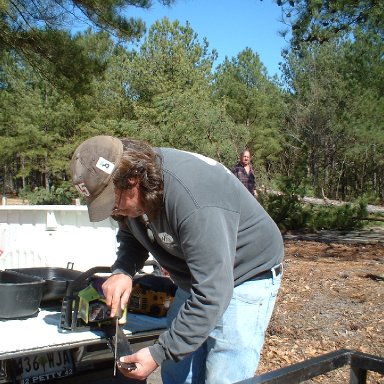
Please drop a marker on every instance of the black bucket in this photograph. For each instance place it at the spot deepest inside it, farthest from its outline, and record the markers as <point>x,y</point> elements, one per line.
<point>56,280</point>
<point>20,295</point>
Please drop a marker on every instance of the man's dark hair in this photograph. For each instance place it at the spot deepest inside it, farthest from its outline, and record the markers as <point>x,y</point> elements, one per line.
<point>141,164</point>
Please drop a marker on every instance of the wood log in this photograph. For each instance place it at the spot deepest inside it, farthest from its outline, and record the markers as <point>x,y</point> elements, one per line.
<point>327,202</point>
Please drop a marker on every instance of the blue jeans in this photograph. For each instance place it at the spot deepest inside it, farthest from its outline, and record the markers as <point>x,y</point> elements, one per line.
<point>232,351</point>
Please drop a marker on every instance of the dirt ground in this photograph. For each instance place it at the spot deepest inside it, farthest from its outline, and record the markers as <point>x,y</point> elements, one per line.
<point>331,298</point>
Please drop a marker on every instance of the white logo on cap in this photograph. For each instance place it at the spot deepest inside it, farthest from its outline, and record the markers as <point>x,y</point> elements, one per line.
<point>82,189</point>
<point>105,165</point>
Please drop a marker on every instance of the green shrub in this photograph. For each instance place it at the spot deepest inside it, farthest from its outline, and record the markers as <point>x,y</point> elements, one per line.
<point>286,210</point>
<point>290,213</point>
<point>285,207</point>
<point>63,195</point>
<point>343,217</point>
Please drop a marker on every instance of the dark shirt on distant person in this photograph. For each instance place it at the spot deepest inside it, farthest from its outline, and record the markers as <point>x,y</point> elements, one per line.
<point>248,179</point>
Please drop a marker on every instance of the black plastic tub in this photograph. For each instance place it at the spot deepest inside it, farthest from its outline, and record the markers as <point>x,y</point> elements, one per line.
<point>20,295</point>
<point>56,280</point>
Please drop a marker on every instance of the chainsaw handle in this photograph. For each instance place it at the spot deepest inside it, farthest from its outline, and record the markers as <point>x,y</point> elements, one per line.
<point>69,304</point>
<point>84,276</point>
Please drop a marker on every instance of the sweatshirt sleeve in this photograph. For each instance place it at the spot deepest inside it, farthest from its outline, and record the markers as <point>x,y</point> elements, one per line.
<point>208,241</point>
<point>131,255</point>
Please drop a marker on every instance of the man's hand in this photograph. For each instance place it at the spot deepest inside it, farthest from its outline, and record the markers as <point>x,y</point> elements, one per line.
<point>145,364</point>
<point>117,289</point>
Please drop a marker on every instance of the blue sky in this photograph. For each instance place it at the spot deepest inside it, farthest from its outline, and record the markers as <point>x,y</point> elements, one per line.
<point>229,26</point>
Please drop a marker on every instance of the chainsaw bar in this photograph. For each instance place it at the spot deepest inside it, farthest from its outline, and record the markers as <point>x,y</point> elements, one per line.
<point>120,346</point>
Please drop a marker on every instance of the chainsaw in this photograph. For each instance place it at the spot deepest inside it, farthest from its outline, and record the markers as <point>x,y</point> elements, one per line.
<point>86,308</point>
<point>151,295</point>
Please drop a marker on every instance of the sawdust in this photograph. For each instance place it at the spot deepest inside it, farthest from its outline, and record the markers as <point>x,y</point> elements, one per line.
<point>331,298</point>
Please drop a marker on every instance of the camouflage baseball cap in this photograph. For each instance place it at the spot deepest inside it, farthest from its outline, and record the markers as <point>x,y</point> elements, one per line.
<point>93,165</point>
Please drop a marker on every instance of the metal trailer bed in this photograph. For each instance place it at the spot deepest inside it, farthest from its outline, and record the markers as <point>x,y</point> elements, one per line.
<point>24,342</point>
<point>360,364</point>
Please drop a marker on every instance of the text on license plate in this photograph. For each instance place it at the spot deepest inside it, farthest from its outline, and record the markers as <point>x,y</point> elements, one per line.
<point>44,366</point>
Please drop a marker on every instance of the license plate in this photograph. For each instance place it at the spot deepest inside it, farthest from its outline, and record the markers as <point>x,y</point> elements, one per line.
<point>44,366</point>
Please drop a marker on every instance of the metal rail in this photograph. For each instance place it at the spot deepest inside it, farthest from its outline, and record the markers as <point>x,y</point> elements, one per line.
<point>360,364</point>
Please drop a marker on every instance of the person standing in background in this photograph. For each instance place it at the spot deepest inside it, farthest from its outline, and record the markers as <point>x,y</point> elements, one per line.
<point>244,172</point>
